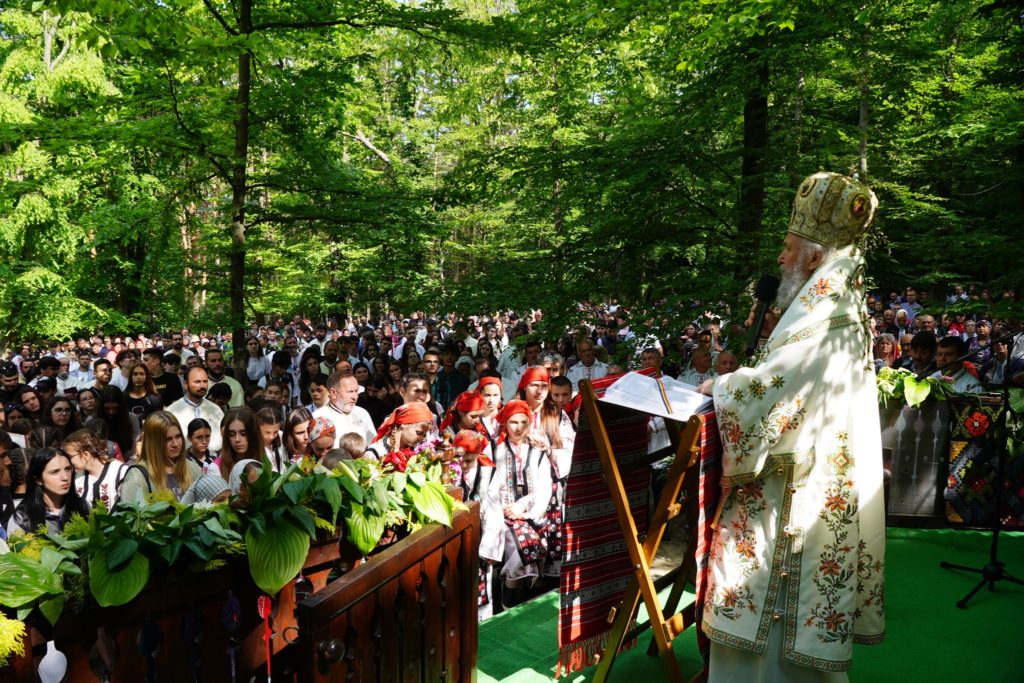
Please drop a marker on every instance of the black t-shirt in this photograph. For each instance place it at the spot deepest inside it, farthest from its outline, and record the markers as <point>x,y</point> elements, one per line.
<point>6,505</point>
<point>169,388</point>
<point>7,395</point>
<point>141,408</point>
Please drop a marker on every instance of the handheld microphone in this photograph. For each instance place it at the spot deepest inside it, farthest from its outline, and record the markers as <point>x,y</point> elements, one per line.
<point>765,291</point>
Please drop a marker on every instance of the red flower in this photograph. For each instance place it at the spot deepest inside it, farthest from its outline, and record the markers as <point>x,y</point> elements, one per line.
<point>831,568</point>
<point>977,424</point>
<point>396,460</point>
<point>834,620</point>
<point>835,503</point>
<point>735,434</point>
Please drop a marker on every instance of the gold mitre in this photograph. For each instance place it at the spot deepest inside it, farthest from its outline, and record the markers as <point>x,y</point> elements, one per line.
<point>832,209</point>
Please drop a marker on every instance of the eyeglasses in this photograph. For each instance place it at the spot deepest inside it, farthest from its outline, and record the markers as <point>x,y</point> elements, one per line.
<point>62,411</point>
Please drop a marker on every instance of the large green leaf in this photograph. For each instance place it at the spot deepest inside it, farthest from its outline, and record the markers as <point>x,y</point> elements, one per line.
<point>276,556</point>
<point>23,579</point>
<point>353,488</point>
<point>112,588</point>
<point>364,528</point>
<point>329,487</point>
<point>1017,400</point>
<point>52,607</point>
<point>915,391</point>
<point>432,503</point>
<point>122,550</point>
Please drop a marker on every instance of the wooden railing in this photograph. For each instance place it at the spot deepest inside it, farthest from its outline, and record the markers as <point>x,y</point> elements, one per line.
<point>179,619</point>
<point>408,615</point>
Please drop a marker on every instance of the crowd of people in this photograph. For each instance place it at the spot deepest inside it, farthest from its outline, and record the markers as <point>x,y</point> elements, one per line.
<point>969,348</point>
<point>111,418</point>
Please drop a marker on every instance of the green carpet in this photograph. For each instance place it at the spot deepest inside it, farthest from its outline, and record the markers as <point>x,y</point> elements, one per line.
<point>929,639</point>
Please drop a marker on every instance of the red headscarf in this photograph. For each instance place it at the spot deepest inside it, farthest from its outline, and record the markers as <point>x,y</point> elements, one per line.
<point>466,402</point>
<point>484,381</point>
<point>515,407</point>
<point>537,373</point>
<point>473,442</point>
<point>410,413</point>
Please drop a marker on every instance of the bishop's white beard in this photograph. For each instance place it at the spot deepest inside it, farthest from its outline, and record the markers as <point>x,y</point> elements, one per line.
<point>792,280</point>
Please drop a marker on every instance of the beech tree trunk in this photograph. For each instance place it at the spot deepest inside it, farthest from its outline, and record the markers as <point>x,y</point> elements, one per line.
<point>865,91</point>
<point>239,192</point>
<point>755,145</point>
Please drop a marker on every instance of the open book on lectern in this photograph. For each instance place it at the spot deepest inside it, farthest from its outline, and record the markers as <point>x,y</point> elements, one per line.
<point>665,397</point>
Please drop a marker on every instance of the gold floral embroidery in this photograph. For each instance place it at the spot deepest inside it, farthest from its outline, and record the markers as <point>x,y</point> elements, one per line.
<point>781,418</point>
<point>823,289</point>
<point>836,563</point>
<point>740,545</point>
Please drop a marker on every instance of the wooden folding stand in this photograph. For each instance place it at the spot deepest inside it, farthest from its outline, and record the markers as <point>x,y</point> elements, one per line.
<point>642,548</point>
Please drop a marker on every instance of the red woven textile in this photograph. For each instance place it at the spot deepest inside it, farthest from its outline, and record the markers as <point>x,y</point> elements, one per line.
<point>595,563</point>
<point>709,493</point>
<point>596,569</point>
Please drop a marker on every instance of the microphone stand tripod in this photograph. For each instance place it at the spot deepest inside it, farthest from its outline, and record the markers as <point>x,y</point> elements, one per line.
<point>994,570</point>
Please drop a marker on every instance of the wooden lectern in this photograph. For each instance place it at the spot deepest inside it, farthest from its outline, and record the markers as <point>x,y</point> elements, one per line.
<point>665,621</point>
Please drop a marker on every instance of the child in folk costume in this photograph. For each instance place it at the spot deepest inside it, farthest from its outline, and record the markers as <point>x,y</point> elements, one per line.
<point>550,428</point>
<point>489,389</point>
<point>477,474</point>
<point>526,490</point>
<point>463,413</point>
<point>404,429</point>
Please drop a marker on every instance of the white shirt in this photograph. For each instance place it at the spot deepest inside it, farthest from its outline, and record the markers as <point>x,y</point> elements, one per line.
<point>80,378</point>
<point>357,421</point>
<point>509,361</point>
<point>580,371</point>
<point>1018,347</point>
<point>695,379</point>
<point>117,379</point>
<point>104,487</point>
<point>397,352</point>
<point>510,385</point>
<point>257,368</point>
<point>186,411</point>
<point>61,384</point>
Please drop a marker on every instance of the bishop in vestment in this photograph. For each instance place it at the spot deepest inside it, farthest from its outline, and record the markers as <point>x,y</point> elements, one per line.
<point>796,571</point>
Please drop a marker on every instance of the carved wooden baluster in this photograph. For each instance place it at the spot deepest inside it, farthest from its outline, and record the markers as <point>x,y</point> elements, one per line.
<point>400,608</point>
<point>103,655</point>
<point>230,614</point>
<point>191,632</point>
<point>422,590</point>
<point>377,629</point>
<point>351,638</point>
<point>442,587</point>
<point>149,641</point>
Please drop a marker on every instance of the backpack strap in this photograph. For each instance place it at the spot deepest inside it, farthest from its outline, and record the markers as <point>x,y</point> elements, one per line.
<point>142,470</point>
